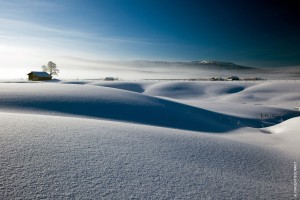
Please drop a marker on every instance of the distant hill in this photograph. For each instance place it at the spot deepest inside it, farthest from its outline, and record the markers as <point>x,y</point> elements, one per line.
<point>206,65</point>
<point>220,64</point>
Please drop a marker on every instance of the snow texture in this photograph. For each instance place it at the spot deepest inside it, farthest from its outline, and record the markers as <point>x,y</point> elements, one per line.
<point>179,141</point>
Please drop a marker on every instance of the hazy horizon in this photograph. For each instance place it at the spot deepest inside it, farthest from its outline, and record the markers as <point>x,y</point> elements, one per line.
<point>76,68</point>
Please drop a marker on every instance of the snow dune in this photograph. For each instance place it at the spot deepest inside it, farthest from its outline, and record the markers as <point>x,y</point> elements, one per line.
<point>192,90</point>
<point>52,157</point>
<point>291,126</point>
<point>198,106</point>
<point>275,101</point>
<point>235,99</point>
<point>139,87</point>
<point>286,135</point>
<point>279,94</point>
<point>148,140</point>
<point>114,104</point>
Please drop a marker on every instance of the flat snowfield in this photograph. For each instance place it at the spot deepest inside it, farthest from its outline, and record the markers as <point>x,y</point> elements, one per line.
<point>149,140</point>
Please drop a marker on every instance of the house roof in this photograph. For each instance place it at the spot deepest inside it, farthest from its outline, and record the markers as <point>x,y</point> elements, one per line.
<point>40,74</point>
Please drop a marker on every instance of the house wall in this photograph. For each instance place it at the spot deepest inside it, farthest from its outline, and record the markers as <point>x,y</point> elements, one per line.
<point>32,77</point>
<point>43,78</point>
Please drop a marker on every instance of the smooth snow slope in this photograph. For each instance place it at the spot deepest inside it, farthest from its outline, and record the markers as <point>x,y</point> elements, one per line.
<point>239,99</point>
<point>276,94</point>
<point>291,126</point>
<point>287,135</point>
<point>139,87</point>
<point>192,90</point>
<point>114,104</point>
<point>275,101</point>
<point>51,157</point>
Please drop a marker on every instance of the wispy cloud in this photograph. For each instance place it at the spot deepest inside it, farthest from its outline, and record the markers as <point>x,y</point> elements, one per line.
<point>14,28</point>
<point>65,41</point>
<point>25,8</point>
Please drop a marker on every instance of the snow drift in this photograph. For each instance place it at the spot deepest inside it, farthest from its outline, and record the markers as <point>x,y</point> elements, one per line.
<point>71,158</point>
<point>141,140</point>
<point>112,104</point>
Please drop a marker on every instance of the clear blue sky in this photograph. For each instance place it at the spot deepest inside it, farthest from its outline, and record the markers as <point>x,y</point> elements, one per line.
<point>253,33</point>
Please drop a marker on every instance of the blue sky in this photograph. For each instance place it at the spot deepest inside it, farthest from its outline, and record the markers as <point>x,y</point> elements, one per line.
<point>251,33</point>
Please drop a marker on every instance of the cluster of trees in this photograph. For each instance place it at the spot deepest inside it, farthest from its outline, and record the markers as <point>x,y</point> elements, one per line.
<point>51,68</point>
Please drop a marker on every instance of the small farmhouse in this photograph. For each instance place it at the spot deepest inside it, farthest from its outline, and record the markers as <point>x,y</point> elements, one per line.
<point>39,76</point>
<point>233,78</point>
<point>216,79</point>
<point>109,79</point>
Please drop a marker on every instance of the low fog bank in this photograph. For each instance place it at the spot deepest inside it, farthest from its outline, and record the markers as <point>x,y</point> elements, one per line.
<point>77,68</point>
<point>133,70</point>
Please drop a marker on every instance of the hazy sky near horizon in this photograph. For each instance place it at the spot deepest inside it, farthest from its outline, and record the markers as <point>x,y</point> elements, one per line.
<point>251,33</point>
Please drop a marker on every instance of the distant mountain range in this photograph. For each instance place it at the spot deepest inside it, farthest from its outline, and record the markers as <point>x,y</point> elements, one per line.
<point>228,65</point>
<point>146,63</point>
<point>206,65</point>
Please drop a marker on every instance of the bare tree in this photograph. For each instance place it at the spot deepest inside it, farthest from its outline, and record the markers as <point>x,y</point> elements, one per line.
<point>51,68</point>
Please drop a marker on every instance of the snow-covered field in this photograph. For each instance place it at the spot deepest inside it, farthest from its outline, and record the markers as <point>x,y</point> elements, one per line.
<point>149,140</point>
